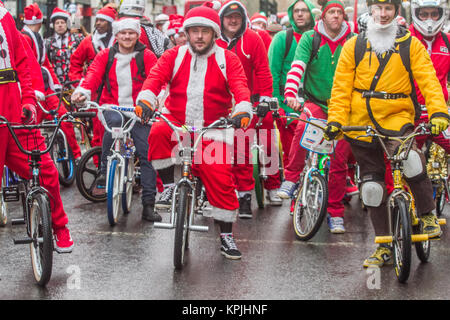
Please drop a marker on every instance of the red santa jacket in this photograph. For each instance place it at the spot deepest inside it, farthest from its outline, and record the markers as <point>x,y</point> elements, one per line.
<point>440,56</point>
<point>84,55</point>
<point>201,87</point>
<point>250,49</point>
<point>13,57</point>
<point>124,80</point>
<point>39,53</point>
<point>265,37</point>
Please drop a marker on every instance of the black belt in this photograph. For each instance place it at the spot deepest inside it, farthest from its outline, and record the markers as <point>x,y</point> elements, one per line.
<point>8,75</point>
<point>381,94</point>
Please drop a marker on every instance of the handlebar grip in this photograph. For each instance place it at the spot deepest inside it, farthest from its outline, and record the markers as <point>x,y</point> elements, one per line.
<point>353,128</point>
<point>84,114</point>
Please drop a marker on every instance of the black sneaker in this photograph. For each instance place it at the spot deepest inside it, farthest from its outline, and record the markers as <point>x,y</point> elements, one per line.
<point>229,248</point>
<point>245,207</point>
<point>165,200</point>
<point>149,214</point>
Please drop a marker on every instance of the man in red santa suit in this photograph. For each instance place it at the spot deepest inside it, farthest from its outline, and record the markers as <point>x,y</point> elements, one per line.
<point>16,67</point>
<point>248,46</point>
<point>33,22</point>
<point>259,25</point>
<point>131,65</point>
<point>83,56</point>
<point>204,79</point>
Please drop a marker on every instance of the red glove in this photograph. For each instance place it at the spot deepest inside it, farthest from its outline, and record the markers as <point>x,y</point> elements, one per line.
<point>29,115</point>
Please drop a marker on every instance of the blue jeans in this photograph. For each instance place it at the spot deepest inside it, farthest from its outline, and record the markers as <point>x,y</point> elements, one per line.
<point>139,134</point>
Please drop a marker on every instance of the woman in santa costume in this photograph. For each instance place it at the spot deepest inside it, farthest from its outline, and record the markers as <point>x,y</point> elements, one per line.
<point>204,79</point>
<point>130,66</point>
<point>33,22</point>
<point>18,66</point>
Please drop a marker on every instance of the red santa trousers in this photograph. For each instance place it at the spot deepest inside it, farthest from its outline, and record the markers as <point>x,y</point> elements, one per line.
<point>17,161</point>
<point>212,164</point>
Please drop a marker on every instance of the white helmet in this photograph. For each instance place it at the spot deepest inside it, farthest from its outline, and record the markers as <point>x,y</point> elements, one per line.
<point>428,27</point>
<point>133,8</point>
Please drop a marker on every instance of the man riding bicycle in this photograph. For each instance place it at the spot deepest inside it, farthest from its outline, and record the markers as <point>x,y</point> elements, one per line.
<point>372,87</point>
<point>204,79</point>
<point>124,68</point>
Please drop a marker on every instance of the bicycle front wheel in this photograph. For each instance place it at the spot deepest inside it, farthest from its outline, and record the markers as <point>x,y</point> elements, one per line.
<point>3,206</point>
<point>401,236</point>
<point>41,233</point>
<point>87,173</point>
<point>308,216</point>
<point>113,194</point>
<point>127,194</point>
<point>183,211</point>
<point>259,181</point>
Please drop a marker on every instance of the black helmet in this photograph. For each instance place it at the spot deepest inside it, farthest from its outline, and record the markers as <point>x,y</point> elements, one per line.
<point>394,2</point>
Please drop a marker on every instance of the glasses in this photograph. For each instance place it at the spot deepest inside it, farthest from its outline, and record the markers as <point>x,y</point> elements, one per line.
<point>426,14</point>
<point>303,11</point>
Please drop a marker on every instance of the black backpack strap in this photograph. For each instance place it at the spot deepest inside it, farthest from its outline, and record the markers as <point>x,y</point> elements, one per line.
<point>404,51</point>
<point>289,39</point>
<point>317,39</point>
<point>112,52</point>
<point>360,48</point>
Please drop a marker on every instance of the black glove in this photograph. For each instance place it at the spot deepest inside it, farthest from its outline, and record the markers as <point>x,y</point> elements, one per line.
<point>144,110</point>
<point>331,132</point>
<point>241,120</point>
<point>262,109</point>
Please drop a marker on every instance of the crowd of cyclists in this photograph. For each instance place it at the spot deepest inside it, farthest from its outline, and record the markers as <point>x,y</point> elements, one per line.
<point>217,61</point>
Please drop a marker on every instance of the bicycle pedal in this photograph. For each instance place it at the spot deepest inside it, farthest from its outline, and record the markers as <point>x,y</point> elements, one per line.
<point>23,241</point>
<point>17,221</point>
<point>11,194</point>
<point>442,222</point>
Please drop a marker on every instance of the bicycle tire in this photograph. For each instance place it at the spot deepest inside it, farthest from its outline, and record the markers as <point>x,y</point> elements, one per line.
<point>423,248</point>
<point>259,181</point>
<point>65,167</point>
<point>306,214</point>
<point>41,248</point>
<point>3,205</point>
<point>401,236</point>
<point>440,200</point>
<point>113,194</point>
<point>182,208</point>
<point>127,194</point>
<point>87,173</point>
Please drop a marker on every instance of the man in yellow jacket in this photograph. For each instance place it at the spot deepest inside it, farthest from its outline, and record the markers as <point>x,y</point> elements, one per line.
<point>372,86</point>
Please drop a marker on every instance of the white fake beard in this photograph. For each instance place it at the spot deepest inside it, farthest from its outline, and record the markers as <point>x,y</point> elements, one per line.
<point>381,37</point>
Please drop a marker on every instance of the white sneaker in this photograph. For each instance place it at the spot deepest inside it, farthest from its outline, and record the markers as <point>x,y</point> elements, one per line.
<point>286,190</point>
<point>273,197</point>
<point>336,224</point>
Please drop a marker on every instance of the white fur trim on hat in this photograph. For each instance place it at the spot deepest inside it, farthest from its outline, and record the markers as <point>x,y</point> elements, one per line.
<point>33,21</point>
<point>259,20</point>
<point>104,17</point>
<point>126,23</point>
<point>201,21</point>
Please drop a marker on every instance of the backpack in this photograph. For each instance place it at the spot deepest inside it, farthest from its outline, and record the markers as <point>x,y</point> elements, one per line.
<point>112,52</point>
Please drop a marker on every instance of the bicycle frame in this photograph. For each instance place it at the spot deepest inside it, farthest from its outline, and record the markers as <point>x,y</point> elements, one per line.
<point>187,155</point>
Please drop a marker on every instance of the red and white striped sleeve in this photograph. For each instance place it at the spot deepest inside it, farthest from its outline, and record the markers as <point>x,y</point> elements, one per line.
<point>293,78</point>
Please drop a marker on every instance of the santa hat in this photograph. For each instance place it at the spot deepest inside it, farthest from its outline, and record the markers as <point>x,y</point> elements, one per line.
<point>107,13</point>
<point>204,16</point>
<point>257,17</point>
<point>332,4</point>
<point>161,18</point>
<point>59,14</point>
<point>32,14</point>
<point>125,24</point>
<point>175,24</point>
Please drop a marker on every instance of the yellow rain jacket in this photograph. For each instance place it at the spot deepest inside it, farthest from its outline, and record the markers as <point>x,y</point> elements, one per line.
<point>391,117</point>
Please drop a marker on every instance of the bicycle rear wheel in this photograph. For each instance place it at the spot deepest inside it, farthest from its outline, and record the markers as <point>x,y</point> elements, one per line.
<point>86,174</point>
<point>127,193</point>
<point>41,233</point>
<point>183,211</point>
<point>113,194</point>
<point>308,216</point>
<point>440,198</point>
<point>63,159</point>
<point>3,206</point>
<point>401,236</point>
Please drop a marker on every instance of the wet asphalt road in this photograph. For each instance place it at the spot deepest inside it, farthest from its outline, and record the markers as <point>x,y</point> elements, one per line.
<point>133,260</point>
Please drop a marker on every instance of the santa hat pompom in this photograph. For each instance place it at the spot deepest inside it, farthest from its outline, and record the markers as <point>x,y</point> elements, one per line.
<point>316,11</point>
<point>406,4</point>
<point>349,10</point>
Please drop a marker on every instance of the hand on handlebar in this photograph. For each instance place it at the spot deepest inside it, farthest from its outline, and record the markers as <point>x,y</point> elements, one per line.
<point>241,120</point>
<point>144,110</point>
<point>293,103</point>
<point>331,132</point>
<point>439,124</point>
<point>29,115</point>
<point>78,98</point>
